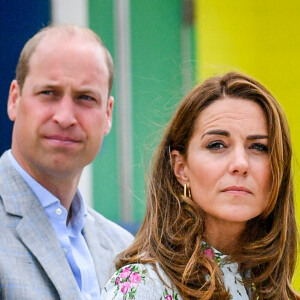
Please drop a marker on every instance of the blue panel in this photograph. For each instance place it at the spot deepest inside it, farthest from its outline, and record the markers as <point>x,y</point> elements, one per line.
<point>19,20</point>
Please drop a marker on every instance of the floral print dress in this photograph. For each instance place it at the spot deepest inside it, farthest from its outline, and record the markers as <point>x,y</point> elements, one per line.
<point>141,282</point>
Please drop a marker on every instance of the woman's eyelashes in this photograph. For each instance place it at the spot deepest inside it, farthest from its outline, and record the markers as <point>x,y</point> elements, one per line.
<point>216,145</point>
<point>260,147</point>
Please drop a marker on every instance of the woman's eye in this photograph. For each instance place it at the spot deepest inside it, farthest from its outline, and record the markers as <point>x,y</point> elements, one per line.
<point>260,147</point>
<point>216,145</point>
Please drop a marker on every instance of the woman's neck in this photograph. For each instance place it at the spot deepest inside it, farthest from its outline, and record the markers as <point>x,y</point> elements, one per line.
<point>223,236</point>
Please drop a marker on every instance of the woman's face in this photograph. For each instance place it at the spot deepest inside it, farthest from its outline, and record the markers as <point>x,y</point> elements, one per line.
<point>227,166</point>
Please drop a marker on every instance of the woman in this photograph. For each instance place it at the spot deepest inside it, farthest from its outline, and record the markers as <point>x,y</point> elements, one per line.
<point>220,220</point>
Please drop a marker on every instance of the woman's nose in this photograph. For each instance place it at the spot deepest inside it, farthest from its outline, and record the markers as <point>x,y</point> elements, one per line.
<point>239,163</point>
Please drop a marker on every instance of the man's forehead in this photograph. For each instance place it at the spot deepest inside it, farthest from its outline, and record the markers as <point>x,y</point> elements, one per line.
<point>56,36</point>
<point>57,58</point>
<point>64,43</point>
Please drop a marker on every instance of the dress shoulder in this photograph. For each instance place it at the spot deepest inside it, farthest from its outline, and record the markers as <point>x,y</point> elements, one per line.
<point>139,282</point>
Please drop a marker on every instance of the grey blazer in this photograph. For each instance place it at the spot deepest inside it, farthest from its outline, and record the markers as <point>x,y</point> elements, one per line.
<point>32,262</point>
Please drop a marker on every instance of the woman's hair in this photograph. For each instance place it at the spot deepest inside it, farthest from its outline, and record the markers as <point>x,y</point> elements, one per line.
<point>172,231</point>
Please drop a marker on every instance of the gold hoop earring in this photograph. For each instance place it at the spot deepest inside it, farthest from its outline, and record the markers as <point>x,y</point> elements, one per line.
<point>186,189</point>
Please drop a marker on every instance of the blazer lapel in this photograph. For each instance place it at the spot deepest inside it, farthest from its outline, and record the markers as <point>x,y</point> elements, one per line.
<point>101,253</point>
<point>38,236</point>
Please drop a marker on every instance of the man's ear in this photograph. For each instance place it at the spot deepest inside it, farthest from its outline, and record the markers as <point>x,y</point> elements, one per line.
<point>109,112</point>
<point>13,100</point>
<point>179,168</point>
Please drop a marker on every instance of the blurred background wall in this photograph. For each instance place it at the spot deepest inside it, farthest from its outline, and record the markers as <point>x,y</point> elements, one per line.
<point>19,20</point>
<point>161,49</point>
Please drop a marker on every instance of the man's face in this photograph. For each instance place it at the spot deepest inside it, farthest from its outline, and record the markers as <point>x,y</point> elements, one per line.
<point>63,111</point>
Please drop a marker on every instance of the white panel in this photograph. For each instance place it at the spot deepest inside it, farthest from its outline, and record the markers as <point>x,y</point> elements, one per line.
<point>70,12</point>
<point>123,69</point>
<point>85,185</point>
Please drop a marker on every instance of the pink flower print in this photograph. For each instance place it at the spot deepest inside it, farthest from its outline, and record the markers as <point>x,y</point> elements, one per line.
<point>117,281</point>
<point>169,297</point>
<point>125,273</point>
<point>208,253</point>
<point>125,287</point>
<point>135,278</point>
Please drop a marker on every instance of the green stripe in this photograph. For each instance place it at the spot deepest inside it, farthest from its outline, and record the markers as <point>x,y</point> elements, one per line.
<point>156,91</point>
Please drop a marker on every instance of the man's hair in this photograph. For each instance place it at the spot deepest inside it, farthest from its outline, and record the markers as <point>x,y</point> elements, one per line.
<point>172,231</point>
<point>29,48</point>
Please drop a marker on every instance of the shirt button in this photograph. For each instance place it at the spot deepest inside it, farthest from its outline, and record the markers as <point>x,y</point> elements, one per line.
<point>65,250</point>
<point>88,296</point>
<point>58,211</point>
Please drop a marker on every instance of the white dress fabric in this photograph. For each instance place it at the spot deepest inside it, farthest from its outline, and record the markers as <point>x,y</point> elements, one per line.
<point>141,282</point>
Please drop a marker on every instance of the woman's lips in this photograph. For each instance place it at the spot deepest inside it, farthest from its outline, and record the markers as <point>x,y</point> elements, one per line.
<point>237,190</point>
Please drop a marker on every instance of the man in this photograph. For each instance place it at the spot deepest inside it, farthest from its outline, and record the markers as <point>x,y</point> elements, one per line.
<point>51,245</point>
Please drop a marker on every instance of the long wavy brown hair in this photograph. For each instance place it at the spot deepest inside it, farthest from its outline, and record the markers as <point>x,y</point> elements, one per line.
<point>172,231</point>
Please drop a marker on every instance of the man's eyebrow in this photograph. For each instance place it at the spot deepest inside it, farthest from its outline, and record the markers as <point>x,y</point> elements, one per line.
<point>217,132</point>
<point>46,86</point>
<point>86,91</point>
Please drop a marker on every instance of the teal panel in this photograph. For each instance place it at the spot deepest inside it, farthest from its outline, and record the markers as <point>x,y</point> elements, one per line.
<point>156,90</point>
<point>105,167</point>
<point>156,80</point>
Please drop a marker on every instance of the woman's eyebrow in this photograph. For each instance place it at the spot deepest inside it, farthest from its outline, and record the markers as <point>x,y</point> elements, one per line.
<point>217,132</point>
<point>257,137</point>
<point>226,133</point>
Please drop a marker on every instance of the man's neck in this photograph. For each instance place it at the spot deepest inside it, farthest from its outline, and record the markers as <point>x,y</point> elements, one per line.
<point>63,189</point>
<point>63,185</point>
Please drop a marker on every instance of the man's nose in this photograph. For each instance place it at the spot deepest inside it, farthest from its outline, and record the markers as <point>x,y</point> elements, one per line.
<point>64,114</point>
<point>239,162</point>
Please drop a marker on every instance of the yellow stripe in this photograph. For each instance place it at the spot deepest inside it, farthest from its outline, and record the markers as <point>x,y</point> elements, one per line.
<point>260,38</point>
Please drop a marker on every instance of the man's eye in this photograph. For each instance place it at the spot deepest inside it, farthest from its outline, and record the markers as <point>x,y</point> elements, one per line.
<point>260,147</point>
<point>216,145</point>
<point>46,92</point>
<point>86,98</point>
